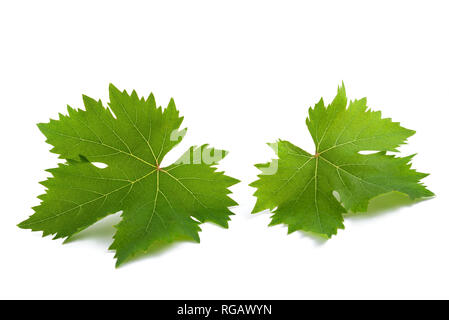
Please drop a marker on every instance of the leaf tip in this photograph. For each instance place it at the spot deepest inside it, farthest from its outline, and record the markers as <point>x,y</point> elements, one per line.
<point>113,90</point>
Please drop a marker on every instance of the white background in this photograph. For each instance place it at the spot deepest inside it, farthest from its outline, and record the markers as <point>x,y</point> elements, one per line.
<point>243,73</point>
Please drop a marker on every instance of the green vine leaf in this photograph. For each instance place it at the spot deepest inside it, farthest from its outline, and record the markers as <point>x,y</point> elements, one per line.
<point>311,192</point>
<point>131,137</point>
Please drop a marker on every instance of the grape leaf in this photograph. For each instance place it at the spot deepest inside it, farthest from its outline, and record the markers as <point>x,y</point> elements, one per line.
<point>299,187</point>
<point>160,204</point>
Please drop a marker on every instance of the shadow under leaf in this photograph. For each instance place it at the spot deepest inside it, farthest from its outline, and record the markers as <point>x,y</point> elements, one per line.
<point>385,203</point>
<point>156,250</point>
<point>377,206</point>
<point>102,231</point>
